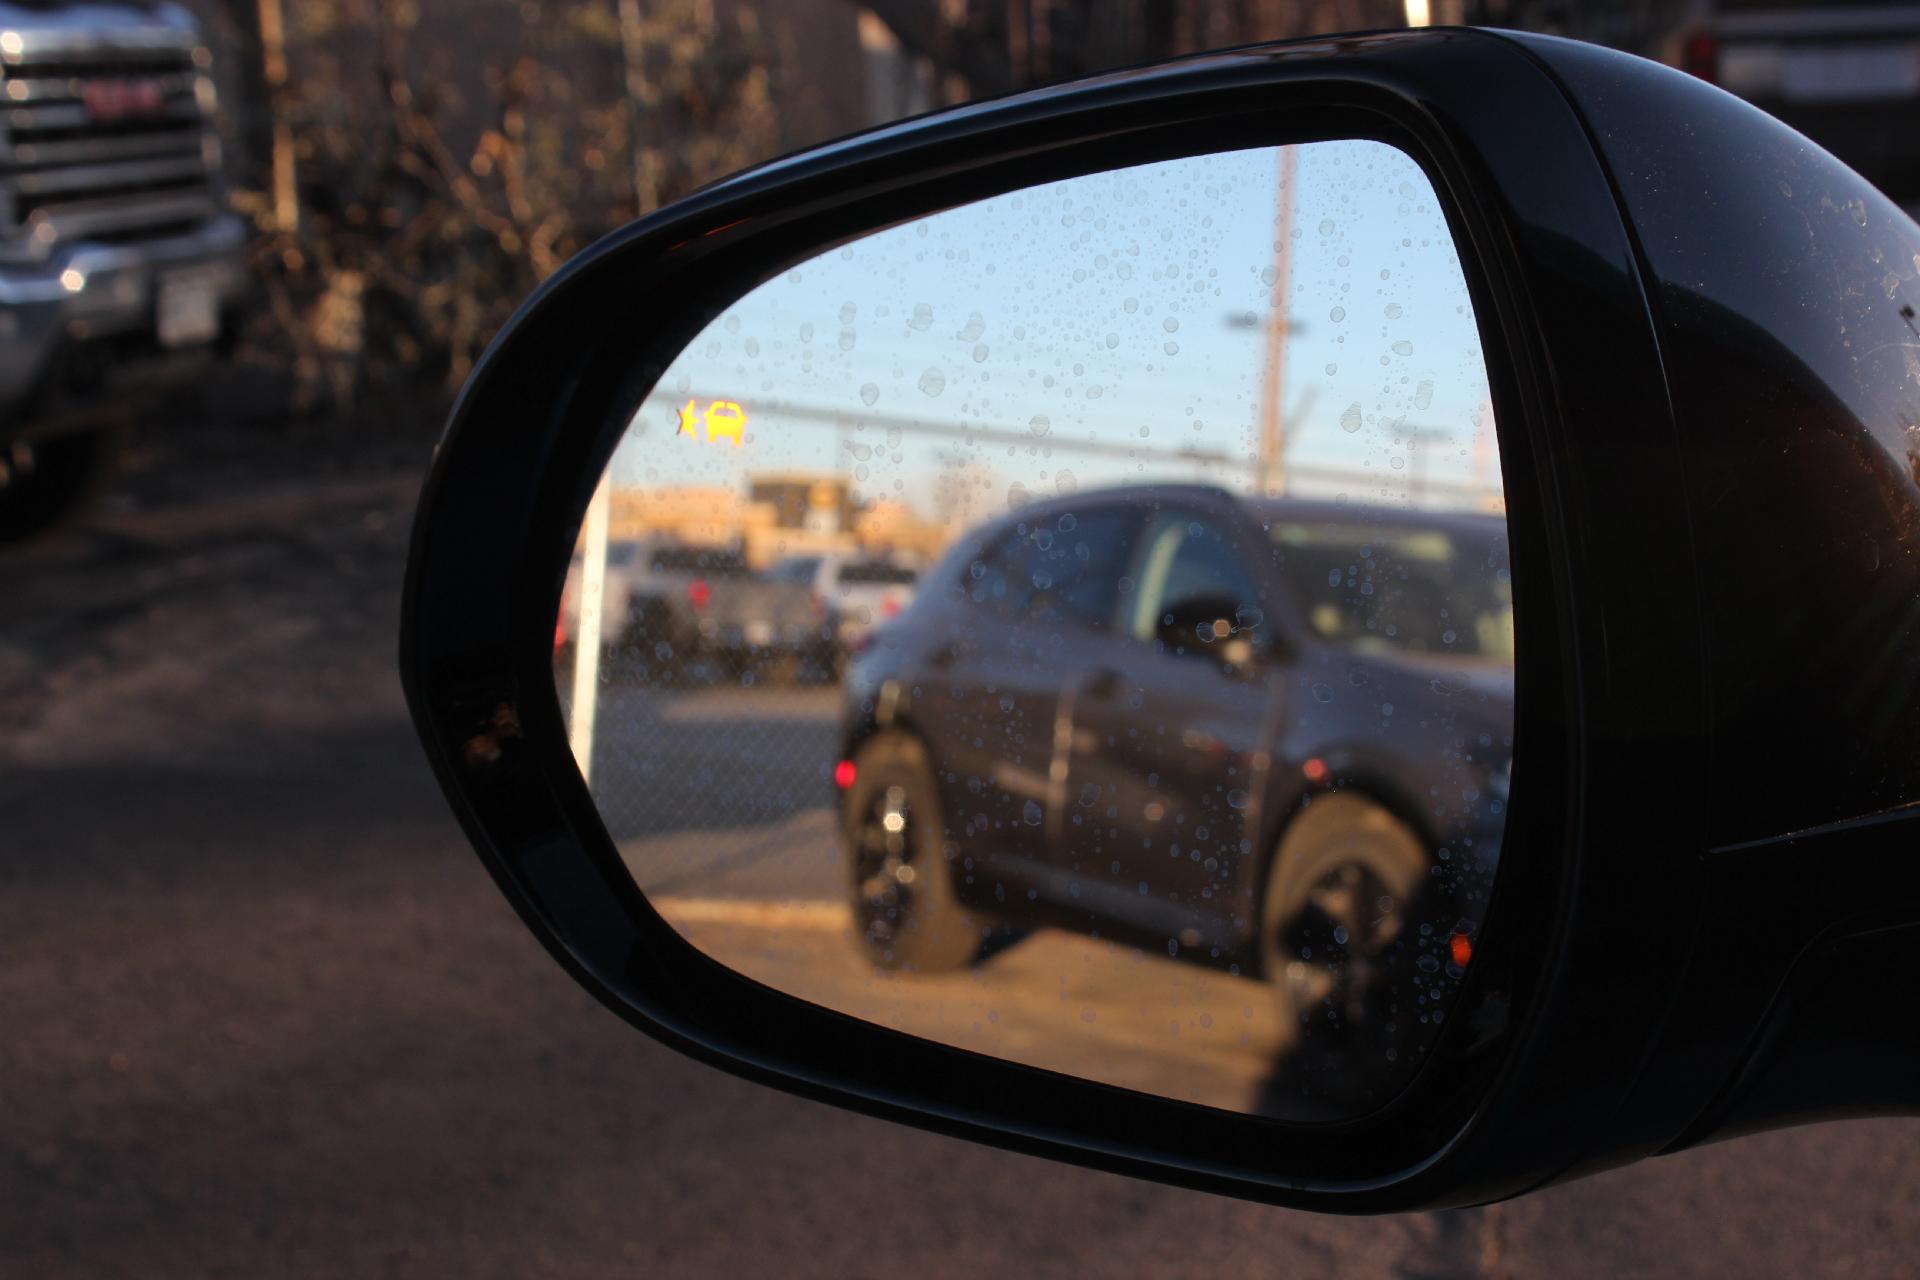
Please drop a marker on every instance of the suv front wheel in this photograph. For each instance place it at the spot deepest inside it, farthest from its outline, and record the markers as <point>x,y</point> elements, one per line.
<point>1333,920</point>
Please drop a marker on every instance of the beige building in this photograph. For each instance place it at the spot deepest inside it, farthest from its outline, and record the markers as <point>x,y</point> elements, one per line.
<point>781,514</point>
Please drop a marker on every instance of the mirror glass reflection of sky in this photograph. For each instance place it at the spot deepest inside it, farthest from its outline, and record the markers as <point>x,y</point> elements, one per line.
<point>1104,330</point>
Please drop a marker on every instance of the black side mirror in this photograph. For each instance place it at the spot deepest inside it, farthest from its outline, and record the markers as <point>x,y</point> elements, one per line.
<point>1215,628</point>
<point>1666,842</point>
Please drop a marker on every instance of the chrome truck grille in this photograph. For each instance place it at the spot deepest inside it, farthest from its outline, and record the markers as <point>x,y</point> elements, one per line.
<point>104,136</point>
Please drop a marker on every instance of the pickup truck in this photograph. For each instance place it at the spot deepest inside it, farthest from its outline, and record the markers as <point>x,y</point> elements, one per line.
<point>120,265</point>
<point>670,607</point>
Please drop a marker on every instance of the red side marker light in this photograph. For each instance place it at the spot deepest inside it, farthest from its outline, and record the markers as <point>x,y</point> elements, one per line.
<point>1314,771</point>
<point>698,593</point>
<point>1460,950</point>
<point>844,774</point>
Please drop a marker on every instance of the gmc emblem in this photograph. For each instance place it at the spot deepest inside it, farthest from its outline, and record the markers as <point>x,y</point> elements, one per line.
<point>121,99</point>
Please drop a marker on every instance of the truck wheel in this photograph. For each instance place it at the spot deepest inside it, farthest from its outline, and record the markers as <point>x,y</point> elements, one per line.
<point>45,483</point>
<point>1338,895</point>
<point>906,915</point>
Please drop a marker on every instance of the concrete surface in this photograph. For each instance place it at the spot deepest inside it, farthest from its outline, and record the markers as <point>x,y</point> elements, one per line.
<point>261,1013</point>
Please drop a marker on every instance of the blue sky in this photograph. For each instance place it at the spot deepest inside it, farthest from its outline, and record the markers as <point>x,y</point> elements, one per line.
<point>1106,324</point>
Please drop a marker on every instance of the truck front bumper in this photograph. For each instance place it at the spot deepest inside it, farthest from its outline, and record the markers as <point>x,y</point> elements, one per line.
<point>84,326</point>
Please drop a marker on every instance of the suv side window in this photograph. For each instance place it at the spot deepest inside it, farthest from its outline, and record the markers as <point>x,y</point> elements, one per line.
<point>1065,568</point>
<point>1187,558</point>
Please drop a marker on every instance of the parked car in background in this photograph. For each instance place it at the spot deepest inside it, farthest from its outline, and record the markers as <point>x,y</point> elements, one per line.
<point>1845,74</point>
<point>120,266</point>
<point>864,590</point>
<point>1275,731</point>
<point>669,606</point>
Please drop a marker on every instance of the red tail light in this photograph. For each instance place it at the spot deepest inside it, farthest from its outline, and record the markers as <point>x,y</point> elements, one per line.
<point>890,607</point>
<point>1459,950</point>
<point>1700,56</point>
<point>698,593</point>
<point>844,773</point>
<point>559,632</point>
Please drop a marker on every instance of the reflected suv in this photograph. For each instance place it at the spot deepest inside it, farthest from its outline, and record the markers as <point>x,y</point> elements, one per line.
<point>1268,734</point>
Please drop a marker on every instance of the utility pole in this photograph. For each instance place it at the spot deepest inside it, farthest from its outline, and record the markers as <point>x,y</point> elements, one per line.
<point>590,607</point>
<point>1270,475</point>
<point>285,193</point>
<point>1417,462</point>
<point>640,104</point>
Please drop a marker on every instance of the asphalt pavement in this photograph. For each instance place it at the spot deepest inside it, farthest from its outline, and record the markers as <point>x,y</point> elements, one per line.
<point>718,796</point>
<point>262,1014</point>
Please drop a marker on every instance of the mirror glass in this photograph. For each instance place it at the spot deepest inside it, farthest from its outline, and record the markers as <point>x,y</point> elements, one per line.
<point>1076,627</point>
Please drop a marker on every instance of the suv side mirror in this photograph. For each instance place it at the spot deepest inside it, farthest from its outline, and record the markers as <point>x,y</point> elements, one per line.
<point>1685,810</point>
<point>1215,627</point>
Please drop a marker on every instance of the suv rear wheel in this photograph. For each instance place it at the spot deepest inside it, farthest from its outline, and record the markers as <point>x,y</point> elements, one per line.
<point>906,914</point>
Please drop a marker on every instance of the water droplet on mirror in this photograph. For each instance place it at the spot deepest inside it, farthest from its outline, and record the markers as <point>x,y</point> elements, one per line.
<point>1350,420</point>
<point>922,317</point>
<point>1423,394</point>
<point>1393,311</point>
<point>1032,814</point>
<point>1337,314</point>
<point>1326,226</point>
<point>1039,424</point>
<point>1323,693</point>
<point>979,353</point>
<point>1403,348</point>
<point>933,382</point>
<point>869,394</point>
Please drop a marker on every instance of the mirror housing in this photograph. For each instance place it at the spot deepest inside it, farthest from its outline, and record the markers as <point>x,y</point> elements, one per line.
<point>1207,628</point>
<point>1663,938</point>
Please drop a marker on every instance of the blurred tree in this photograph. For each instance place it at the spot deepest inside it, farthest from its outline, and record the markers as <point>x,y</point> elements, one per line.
<point>426,213</point>
<point>995,46</point>
<point>422,164</point>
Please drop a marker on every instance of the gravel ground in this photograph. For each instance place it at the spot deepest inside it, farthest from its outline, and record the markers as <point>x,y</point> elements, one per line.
<point>264,1015</point>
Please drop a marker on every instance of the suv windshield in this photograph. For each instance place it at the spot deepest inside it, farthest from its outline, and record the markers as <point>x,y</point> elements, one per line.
<point>1405,589</point>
